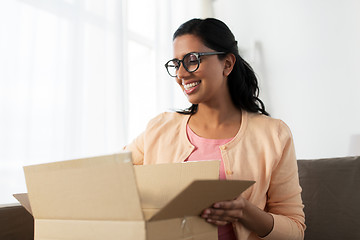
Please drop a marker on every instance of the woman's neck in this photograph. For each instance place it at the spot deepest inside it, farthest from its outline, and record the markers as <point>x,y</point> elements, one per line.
<point>216,115</point>
<point>216,122</point>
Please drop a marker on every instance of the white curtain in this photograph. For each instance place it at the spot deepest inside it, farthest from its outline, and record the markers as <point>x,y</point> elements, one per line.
<point>81,77</point>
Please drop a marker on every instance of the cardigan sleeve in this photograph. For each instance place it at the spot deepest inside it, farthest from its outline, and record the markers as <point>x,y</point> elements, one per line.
<point>284,195</point>
<point>137,149</point>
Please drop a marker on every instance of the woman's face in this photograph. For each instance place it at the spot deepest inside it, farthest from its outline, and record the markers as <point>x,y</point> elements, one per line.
<point>208,83</point>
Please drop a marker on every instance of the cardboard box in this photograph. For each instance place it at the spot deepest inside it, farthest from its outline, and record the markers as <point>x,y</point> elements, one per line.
<point>107,197</point>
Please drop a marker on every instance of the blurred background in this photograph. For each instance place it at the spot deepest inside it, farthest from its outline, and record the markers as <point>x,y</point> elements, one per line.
<point>82,78</point>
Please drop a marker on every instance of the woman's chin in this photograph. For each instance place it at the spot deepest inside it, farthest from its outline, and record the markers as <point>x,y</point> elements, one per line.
<point>192,101</point>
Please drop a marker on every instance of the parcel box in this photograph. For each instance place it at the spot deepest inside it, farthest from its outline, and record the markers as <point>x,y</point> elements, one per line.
<point>107,197</point>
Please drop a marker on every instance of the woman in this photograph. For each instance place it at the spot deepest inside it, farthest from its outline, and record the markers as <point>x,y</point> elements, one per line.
<point>227,121</point>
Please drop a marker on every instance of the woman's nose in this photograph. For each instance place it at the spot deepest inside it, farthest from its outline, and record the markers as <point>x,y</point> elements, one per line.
<point>182,73</point>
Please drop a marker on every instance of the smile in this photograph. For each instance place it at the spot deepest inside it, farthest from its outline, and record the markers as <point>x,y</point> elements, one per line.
<point>191,85</point>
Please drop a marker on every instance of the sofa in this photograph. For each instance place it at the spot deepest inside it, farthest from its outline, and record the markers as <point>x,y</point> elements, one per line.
<point>331,195</point>
<point>16,223</point>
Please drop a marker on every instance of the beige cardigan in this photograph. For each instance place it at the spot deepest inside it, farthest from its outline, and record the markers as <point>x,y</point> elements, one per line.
<point>262,150</point>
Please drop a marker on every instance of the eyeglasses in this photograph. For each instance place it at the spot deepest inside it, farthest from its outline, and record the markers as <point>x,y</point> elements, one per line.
<point>190,61</point>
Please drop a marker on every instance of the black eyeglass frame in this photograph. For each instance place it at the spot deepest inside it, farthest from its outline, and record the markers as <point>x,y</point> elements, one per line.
<point>197,54</point>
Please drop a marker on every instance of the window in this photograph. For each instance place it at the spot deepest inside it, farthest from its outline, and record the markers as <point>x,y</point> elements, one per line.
<point>79,78</point>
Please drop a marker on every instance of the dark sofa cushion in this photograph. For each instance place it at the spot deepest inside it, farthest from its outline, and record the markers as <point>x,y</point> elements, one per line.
<point>16,223</point>
<point>331,195</point>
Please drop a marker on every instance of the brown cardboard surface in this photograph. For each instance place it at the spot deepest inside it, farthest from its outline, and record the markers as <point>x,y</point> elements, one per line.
<point>89,230</point>
<point>194,228</point>
<point>158,184</point>
<point>24,200</point>
<point>107,197</point>
<point>84,189</point>
<point>200,195</point>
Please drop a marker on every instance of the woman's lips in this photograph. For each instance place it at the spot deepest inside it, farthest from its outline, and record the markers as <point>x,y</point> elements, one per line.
<point>191,87</point>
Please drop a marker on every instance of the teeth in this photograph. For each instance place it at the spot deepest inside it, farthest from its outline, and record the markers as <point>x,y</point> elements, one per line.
<point>190,85</point>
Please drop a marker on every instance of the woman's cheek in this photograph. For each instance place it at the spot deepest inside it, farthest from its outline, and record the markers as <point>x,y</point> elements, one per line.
<point>179,82</point>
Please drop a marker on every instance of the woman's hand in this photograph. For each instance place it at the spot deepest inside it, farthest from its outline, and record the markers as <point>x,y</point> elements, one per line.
<point>240,210</point>
<point>223,213</point>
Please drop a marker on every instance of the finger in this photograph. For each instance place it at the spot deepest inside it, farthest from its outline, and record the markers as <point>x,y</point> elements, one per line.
<point>217,222</point>
<point>223,219</point>
<point>206,213</point>
<point>226,218</point>
<point>234,204</point>
<point>213,211</point>
<point>220,214</point>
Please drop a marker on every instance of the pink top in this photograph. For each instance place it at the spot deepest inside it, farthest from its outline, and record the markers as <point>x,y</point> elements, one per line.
<point>208,149</point>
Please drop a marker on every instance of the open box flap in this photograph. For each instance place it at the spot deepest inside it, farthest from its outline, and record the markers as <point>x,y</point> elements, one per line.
<point>99,188</point>
<point>158,184</point>
<point>200,195</point>
<point>23,200</point>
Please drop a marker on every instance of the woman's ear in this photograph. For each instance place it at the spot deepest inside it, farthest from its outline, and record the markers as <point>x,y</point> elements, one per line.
<point>229,63</point>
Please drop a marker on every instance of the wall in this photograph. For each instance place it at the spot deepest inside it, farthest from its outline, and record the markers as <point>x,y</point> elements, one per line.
<point>307,56</point>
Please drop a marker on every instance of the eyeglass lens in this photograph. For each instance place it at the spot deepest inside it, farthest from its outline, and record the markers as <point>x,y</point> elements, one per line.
<point>190,62</point>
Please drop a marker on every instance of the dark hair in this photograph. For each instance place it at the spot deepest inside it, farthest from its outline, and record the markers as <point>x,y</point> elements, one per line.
<point>242,82</point>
